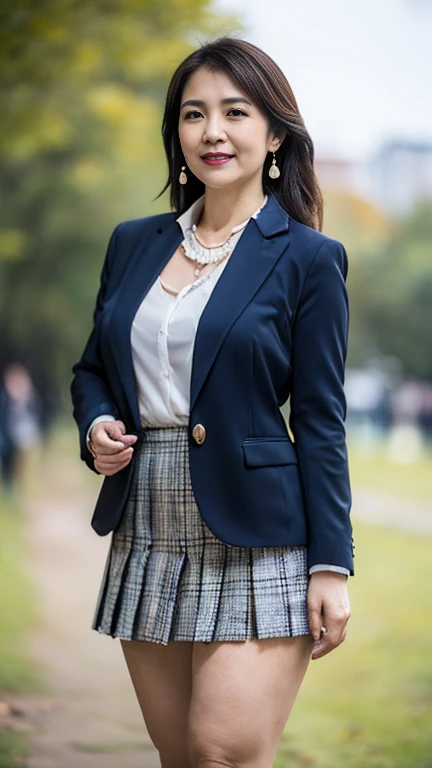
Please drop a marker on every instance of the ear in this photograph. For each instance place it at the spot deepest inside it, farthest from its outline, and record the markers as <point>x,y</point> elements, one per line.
<point>276,140</point>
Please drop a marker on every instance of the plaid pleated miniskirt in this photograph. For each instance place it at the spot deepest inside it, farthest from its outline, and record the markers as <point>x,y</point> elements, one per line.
<point>167,577</point>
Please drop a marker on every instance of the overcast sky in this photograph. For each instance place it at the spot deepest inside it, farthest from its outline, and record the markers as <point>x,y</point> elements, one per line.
<point>361,72</point>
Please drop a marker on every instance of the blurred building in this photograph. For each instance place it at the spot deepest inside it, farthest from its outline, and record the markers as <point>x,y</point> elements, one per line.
<point>401,173</point>
<point>397,175</point>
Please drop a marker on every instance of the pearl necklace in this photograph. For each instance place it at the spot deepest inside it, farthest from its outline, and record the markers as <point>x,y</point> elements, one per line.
<point>197,251</point>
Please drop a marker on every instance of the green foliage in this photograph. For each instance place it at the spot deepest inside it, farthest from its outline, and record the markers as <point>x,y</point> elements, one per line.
<point>13,749</point>
<point>390,289</point>
<point>52,51</point>
<point>82,88</point>
<point>18,617</point>
<point>368,704</point>
<point>355,221</point>
<point>17,603</point>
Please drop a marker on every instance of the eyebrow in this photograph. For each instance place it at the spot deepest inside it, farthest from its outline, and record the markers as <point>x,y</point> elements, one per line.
<point>229,100</point>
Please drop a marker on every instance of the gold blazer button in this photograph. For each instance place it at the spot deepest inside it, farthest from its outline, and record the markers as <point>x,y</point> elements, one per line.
<point>199,433</point>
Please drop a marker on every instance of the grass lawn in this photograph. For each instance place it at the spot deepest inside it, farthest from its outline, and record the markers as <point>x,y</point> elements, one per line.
<point>368,704</point>
<point>406,480</point>
<point>17,616</point>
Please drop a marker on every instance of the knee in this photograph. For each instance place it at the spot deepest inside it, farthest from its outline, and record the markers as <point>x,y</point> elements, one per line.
<point>174,759</point>
<point>205,753</point>
<point>213,761</point>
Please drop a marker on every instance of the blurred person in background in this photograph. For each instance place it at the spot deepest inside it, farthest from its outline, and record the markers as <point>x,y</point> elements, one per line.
<point>20,421</point>
<point>8,449</point>
<point>231,545</point>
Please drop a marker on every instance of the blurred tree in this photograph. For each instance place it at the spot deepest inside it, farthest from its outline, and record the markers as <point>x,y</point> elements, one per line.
<point>82,87</point>
<point>391,296</point>
<point>354,221</point>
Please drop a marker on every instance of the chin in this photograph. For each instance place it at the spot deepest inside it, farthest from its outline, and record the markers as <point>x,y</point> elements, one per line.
<point>221,183</point>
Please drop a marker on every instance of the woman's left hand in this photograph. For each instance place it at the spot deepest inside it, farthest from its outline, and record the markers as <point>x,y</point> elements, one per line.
<point>329,607</point>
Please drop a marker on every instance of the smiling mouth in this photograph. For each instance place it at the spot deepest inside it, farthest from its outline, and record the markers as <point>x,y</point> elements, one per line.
<point>215,159</point>
<point>215,156</point>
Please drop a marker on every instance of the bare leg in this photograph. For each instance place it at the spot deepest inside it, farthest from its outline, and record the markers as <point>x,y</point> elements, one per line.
<point>242,695</point>
<point>162,679</point>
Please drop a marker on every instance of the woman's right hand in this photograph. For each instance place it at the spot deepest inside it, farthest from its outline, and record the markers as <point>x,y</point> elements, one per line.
<point>111,446</point>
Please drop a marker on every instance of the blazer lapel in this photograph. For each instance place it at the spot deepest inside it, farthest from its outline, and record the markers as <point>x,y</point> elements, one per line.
<point>248,266</point>
<point>148,263</point>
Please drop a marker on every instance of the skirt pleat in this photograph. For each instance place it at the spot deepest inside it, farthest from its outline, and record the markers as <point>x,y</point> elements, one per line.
<point>167,577</point>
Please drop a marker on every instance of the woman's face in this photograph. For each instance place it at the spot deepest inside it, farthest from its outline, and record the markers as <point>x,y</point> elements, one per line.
<point>216,117</point>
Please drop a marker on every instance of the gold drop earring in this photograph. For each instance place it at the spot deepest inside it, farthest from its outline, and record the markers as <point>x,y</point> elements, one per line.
<point>183,178</point>
<point>274,171</point>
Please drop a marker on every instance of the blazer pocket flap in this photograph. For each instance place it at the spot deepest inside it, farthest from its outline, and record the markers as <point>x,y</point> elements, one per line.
<point>268,451</point>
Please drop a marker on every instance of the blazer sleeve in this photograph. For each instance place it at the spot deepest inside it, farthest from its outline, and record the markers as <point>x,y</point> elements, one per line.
<point>90,390</point>
<point>318,406</point>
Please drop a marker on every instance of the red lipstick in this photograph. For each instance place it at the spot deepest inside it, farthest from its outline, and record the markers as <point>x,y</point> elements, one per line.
<point>216,158</point>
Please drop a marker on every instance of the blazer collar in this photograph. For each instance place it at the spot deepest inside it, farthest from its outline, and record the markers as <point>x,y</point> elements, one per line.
<point>271,219</point>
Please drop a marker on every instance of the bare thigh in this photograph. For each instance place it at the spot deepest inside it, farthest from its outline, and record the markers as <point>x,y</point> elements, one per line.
<point>242,695</point>
<point>161,676</point>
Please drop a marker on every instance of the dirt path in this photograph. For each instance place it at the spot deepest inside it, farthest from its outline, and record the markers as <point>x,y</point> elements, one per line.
<point>92,719</point>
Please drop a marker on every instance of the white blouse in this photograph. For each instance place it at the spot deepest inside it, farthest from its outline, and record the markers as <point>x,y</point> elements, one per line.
<point>163,337</point>
<point>162,341</point>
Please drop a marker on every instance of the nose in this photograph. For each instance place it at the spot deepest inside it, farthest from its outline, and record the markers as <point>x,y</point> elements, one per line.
<point>214,130</point>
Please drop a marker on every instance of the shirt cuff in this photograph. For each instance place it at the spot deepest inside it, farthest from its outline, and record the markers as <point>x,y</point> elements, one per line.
<point>103,417</point>
<point>322,567</point>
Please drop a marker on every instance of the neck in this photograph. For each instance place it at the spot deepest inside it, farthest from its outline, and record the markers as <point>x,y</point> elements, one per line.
<point>224,209</point>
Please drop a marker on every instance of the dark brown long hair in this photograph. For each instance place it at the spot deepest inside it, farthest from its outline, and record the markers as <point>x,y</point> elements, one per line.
<point>259,77</point>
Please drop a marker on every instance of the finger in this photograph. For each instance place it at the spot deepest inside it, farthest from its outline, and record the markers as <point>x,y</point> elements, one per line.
<point>329,641</point>
<point>325,646</point>
<point>110,469</point>
<point>100,447</point>
<point>115,430</point>
<point>104,444</point>
<point>336,622</point>
<point>129,440</point>
<point>315,619</point>
<point>112,458</point>
<point>107,441</point>
<point>321,649</point>
<point>319,643</point>
<point>106,433</point>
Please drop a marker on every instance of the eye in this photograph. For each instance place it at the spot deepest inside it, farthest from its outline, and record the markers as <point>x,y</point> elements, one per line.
<point>192,113</point>
<point>239,112</point>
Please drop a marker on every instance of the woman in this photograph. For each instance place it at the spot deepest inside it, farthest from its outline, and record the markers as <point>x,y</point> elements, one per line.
<point>231,544</point>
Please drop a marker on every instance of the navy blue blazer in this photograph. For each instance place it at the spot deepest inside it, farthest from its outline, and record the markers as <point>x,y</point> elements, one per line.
<point>275,327</point>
